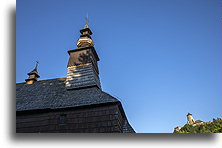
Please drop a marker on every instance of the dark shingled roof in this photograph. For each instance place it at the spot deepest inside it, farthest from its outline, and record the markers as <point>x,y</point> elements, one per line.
<point>52,94</point>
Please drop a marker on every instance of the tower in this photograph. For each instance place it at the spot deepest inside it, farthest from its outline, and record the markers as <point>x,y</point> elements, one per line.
<point>190,119</point>
<point>74,104</point>
<point>82,65</point>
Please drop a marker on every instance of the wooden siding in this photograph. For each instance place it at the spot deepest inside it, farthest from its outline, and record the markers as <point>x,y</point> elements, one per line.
<point>100,119</point>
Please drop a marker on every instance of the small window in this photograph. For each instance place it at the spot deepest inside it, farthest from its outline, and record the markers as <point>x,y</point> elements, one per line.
<point>62,119</point>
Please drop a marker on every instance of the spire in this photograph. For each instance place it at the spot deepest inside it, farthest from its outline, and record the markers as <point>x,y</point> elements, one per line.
<point>33,75</point>
<point>87,22</point>
<point>85,39</point>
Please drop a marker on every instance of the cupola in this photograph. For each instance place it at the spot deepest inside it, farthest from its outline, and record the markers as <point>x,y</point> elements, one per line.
<point>33,75</point>
<point>85,39</point>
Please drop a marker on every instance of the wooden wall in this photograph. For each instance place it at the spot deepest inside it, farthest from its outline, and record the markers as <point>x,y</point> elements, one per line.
<point>100,119</point>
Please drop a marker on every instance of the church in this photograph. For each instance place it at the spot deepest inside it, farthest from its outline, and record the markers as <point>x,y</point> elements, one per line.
<point>73,104</point>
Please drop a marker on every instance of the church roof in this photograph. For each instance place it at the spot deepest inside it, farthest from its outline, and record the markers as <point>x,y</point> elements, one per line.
<point>52,94</point>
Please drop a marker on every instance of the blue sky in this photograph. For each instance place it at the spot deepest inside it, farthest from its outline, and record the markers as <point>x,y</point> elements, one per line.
<point>161,59</point>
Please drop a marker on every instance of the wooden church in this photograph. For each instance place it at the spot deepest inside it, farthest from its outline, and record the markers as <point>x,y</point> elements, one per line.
<point>74,104</point>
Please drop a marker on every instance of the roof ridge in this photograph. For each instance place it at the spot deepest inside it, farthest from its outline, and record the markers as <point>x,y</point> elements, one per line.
<point>45,80</point>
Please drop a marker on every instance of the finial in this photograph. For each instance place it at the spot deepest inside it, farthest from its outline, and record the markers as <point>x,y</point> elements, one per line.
<point>87,18</point>
<point>37,63</point>
<point>87,21</point>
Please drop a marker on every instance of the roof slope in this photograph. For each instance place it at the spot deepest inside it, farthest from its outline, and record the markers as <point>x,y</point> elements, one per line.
<point>127,128</point>
<point>52,94</point>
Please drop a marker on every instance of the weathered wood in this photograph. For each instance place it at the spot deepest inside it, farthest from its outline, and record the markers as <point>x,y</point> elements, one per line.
<point>99,119</point>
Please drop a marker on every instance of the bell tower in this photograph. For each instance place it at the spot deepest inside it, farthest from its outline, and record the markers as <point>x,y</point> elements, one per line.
<point>82,65</point>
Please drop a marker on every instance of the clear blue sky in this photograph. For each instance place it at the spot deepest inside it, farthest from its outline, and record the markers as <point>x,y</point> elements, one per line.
<point>160,58</point>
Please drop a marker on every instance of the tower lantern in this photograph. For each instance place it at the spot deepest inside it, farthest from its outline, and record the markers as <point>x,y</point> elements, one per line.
<point>85,39</point>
